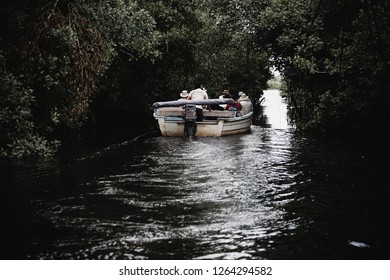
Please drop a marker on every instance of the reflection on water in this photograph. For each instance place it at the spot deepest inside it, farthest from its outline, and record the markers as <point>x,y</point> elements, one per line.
<point>262,195</point>
<point>275,110</point>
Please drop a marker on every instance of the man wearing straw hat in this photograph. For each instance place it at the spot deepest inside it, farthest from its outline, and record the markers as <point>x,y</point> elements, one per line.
<point>183,95</point>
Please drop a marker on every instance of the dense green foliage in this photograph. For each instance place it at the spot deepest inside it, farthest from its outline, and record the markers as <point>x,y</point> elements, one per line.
<point>335,58</point>
<point>65,64</point>
<point>16,120</point>
<point>55,53</point>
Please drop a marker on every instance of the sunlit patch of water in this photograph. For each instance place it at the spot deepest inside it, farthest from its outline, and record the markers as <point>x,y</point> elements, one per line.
<point>275,110</point>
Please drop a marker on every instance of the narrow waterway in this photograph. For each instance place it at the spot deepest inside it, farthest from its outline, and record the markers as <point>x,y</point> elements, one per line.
<point>267,194</point>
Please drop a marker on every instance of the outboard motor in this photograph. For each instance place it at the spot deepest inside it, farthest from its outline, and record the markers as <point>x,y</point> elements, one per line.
<point>190,120</point>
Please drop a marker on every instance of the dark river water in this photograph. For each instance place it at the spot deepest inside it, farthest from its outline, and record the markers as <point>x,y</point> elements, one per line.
<point>267,194</point>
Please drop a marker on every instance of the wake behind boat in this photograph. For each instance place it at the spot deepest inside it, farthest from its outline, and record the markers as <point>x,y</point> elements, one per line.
<point>178,118</point>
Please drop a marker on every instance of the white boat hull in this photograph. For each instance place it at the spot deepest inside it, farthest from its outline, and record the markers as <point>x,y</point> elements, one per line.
<point>173,126</point>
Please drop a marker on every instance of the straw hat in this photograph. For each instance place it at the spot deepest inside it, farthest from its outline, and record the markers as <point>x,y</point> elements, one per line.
<point>184,94</point>
<point>225,91</point>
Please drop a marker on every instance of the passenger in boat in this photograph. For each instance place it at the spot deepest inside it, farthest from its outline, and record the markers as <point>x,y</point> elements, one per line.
<point>223,95</point>
<point>198,93</point>
<point>246,104</point>
<point>224,92</point>
<point>183,95</point>
<point>226,95</point>
<point>234,107</point>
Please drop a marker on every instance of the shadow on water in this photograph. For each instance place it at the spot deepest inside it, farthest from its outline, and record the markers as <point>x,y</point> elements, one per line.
<point>266,194</point>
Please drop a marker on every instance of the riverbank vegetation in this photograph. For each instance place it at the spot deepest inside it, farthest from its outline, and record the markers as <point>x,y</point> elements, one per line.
<point>335,57</point>
<point>69,67</point>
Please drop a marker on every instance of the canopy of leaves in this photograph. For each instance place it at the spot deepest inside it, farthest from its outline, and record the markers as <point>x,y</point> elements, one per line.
<point>69,64</point>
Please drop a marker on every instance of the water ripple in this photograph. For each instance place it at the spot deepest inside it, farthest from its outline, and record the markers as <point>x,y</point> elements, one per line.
<point>262,195</point>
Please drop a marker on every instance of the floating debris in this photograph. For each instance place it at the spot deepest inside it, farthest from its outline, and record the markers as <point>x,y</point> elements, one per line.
<point>359,244</point>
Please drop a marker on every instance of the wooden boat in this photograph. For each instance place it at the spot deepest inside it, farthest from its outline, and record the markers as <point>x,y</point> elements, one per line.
<point>176,118</point>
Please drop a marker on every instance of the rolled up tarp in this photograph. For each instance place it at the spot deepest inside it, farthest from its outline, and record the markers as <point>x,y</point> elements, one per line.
<point>177,103</point>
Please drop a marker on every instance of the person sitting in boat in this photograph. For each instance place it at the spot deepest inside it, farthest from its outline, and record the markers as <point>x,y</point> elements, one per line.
<point>198,93</point>
<point>233,107</point>
<point>183,95</point>
<point>222,95</point>
<point>246,104</point>
<point>224,92</point>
